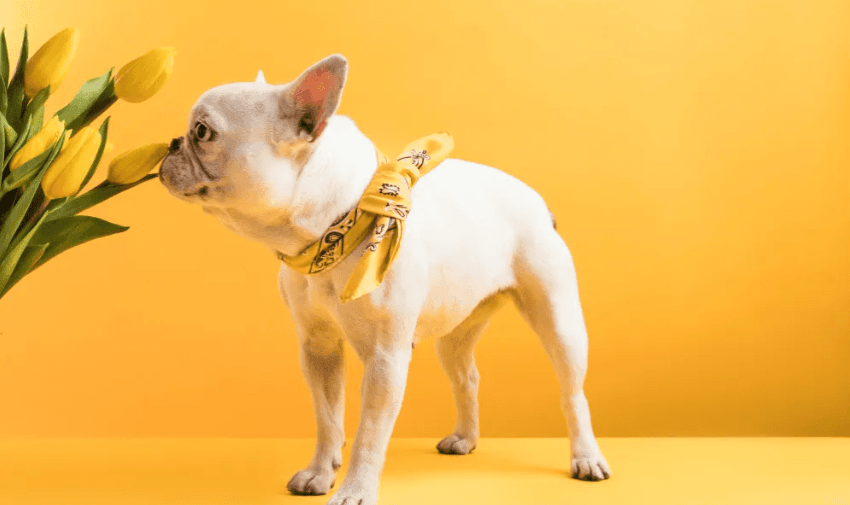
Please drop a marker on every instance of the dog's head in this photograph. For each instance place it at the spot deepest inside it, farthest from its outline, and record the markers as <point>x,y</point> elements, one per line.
<point>247,142</point>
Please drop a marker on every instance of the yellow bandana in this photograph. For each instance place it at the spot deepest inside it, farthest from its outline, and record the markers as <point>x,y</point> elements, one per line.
<point>380,213</point>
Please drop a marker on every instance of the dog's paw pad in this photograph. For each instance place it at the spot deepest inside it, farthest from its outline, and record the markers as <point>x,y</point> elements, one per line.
<point>455,444</point>
<point>311,481</point>
<point>589,468</point>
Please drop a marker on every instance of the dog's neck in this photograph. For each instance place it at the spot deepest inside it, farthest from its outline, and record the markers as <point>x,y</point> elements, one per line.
<point>329,184</point>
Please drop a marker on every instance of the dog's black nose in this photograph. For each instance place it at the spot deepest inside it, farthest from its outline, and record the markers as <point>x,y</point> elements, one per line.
<point>175,144</point>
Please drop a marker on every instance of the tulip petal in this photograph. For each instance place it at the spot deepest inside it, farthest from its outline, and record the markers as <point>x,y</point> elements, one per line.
<point>39,143</point>
<point>65,175</point>
<point>141,78</point>
<point>49,65</point>
<point>104,128</point>
<point>133,165</point>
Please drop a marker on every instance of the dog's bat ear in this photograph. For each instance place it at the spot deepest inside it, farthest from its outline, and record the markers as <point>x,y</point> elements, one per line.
<point>315,95</point>
<point>260,77</point>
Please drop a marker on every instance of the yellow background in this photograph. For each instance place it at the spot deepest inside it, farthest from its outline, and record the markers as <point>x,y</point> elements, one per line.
<point>695,154</point>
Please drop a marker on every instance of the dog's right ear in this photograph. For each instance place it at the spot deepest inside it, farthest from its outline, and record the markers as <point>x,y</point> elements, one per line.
<point>315,95</point>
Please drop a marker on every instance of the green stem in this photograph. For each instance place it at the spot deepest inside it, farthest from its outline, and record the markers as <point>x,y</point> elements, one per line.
<point>39,212</point>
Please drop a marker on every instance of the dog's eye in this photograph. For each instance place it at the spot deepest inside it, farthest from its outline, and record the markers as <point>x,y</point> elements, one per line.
<point>203,132</point>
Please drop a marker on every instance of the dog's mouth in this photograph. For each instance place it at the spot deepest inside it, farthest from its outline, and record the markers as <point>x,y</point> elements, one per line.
<point>201,192</point>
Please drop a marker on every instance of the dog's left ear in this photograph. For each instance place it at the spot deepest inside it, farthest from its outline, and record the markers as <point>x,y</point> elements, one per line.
<point>315,95</point>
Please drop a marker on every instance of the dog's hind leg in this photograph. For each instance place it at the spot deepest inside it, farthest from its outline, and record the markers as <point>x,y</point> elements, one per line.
<point>455,352</point>
<point>547,296</point>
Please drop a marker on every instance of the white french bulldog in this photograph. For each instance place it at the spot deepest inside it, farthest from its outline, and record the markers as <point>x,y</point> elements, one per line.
<point>275,164</point>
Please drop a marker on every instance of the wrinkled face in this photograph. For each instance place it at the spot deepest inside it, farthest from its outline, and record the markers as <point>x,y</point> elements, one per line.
<point>246,142</point>
<point>239,145</point>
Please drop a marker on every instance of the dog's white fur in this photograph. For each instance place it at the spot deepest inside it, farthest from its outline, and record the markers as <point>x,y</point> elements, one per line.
<point>475,238</point>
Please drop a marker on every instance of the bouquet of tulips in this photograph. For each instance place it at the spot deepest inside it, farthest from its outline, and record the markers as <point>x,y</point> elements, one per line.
<point>45,165</point>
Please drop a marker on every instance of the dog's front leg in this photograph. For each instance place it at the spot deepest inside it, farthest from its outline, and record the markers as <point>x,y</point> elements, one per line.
<point>323,366</point>
<point>384,380</point>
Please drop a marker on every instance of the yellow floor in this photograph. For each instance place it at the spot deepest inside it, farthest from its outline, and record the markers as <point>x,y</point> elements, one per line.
<point>252,471</point>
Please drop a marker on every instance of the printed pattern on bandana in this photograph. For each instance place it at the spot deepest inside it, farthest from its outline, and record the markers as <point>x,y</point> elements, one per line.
<point>336,243</point>
<point>380,215</point>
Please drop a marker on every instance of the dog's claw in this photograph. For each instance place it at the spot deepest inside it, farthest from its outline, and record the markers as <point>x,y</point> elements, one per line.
<point>456,444</point>
<point>311,481</point>
<point>590,468</point>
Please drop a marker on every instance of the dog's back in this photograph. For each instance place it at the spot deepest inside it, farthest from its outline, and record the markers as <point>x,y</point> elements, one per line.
<point>477,228</point>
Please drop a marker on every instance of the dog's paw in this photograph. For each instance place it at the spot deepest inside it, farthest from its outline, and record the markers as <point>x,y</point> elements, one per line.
<point>354,495</point>
<point>593,467</point>
<point>455,444</point>
<point>312,481</point>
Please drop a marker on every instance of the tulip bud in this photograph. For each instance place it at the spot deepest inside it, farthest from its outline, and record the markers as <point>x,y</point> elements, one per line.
<point>143,77</point>
<point>49,65</point>
<point>39,143</point>
<point>65,175</point>
<point>133,165</point>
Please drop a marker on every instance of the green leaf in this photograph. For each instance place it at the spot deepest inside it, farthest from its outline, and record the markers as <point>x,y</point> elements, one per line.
<point>25,171</point>
<point>10,260</point>
<point>75,112</point>
<point>8,131</point>
<point>93,197</point>
<point>31,167</point>
<point>22,137</point>
<point>36,105</point>
<point>16,87</point>
<point>2,146</point>
<point>103,130</point>
<point>27,261</point>
<point>37,121</point>
<point>4,61</point>
<point>4,100</point>
<point>16,215</point>
<point>67,232</point>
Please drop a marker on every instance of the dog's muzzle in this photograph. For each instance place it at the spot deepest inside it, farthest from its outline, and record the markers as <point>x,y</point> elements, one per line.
<point>175,172</point>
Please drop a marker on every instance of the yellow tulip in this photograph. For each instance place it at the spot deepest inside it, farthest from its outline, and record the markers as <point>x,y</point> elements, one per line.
<point>39,143</point>
<point>143,77</point>
<point>65,175</point>
<point>133,165</point>
<point>49,65</point>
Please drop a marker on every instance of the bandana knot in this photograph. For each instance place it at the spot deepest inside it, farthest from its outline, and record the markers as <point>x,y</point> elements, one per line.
<point>378,217</point>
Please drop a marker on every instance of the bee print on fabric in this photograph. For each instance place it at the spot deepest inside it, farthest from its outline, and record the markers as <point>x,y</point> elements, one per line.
<point>418,158</point>
<point>379,234</point>
<point>398,209</point>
